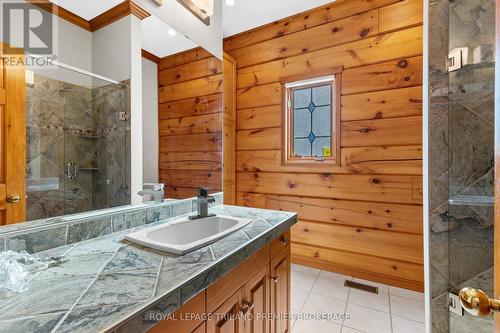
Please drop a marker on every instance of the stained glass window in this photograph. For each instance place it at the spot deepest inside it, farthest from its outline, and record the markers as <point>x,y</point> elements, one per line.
<point>311,113</point>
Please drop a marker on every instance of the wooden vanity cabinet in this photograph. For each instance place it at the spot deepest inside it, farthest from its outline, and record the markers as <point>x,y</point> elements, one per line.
<point>280,292</point>
<point>241,301</point>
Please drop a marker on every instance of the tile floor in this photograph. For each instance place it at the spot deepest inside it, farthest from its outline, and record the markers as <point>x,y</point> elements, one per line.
<point>393,310</point>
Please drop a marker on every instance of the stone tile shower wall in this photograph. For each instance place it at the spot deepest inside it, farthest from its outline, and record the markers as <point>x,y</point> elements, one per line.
<point>461,155</point>
<point>111,184</point>
<point>58,113</point>
<point>72,123</point>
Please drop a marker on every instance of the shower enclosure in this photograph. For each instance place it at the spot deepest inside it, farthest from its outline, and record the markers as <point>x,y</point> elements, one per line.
<point>462,88</point>
<point>77,143</point>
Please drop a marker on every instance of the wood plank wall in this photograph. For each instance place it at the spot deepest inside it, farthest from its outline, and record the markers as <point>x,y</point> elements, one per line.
<point>190,122</point>
<point>364,217</point>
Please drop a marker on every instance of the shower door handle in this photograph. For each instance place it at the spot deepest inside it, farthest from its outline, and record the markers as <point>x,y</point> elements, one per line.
<point>477,303</point>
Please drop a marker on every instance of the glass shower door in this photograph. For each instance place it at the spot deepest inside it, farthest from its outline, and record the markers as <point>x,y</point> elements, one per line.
<point>471,155</point>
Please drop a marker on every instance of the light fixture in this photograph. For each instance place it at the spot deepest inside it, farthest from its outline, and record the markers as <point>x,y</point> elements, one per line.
<point>202,9</point>
<point>230,2</point>
<point>171,32</point>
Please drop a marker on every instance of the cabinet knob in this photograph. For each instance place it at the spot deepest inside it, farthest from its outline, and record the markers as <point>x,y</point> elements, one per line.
<point>283,240</point>
<point>275,279</point>
<point>13,198</point>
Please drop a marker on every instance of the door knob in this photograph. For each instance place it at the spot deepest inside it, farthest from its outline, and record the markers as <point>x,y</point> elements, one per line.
<point>477,303</point>
<point>13,198</point>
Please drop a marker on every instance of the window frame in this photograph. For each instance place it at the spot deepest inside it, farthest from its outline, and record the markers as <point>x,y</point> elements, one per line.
<point>292,83</point>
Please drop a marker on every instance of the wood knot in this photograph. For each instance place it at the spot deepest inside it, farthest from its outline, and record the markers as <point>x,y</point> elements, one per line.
<point>378,115</point>
<point>395,267</point>
<point>376,181</point>
<point>306,230</point>
<point>305,49</point>
<point>370,212</point>
<point>364,32</point>
<point>291,185</point>
<point>197,100</point>
<point>359,230</point>
<point>403,63</point>
<point>335,29</point>
<point>178,76</point>
<point>316,254</point>
<point>407,78</point>
<point>388,211</point>
<point>283,49</point>
<point>365,130</point>
<point>389,225</point>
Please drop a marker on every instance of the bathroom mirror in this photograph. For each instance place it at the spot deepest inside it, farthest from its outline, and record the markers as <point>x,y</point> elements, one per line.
<point>121,101</point>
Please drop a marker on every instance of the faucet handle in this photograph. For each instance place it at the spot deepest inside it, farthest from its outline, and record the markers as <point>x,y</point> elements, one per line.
<point>202,192</point>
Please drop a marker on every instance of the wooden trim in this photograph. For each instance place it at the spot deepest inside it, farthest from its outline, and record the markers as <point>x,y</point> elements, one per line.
<point>62,13</point>
<point>119,11</point>
<point>150,56</point>
<point>287,121</point>
<point>127,7</point>
<point>496,209</point>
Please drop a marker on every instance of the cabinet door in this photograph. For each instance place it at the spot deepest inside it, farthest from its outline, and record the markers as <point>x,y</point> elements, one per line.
<point>280,292</point>
<point>228,317</point>
<point>256,302</point>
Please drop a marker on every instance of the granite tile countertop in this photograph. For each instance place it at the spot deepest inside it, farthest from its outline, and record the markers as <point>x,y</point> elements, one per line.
<point>109,284</point>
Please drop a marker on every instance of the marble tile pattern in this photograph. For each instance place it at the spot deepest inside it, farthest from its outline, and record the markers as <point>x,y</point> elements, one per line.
<point>109,284</point>
<point>76,123</point>
<point>460,148</point>
<point>38,236</point>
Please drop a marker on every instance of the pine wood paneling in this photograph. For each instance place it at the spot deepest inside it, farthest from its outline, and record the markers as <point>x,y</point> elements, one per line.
<point>385,270</point>
<point>198,87</point>
<point>334,33</point>
<point>405,13</point>
<point>182,58</point>
<point>191,107</point>
<point>364,216</point>
<point>190,123</point>
<point>211,161</point>
<point>405,247</point>
<point>260,117</point>
<point>303,21</point>
<point>264,138</point>
<point>391,46</point>
<point>209,123</point>
<point>190,71</point>
<point>405,102</point>
<point>388,75</point>
<point>380,188</point>
<point>382,132</point>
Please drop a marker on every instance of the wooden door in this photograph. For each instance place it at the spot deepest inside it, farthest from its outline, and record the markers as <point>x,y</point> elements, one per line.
<point>257,302</point>
<point>12,139</point>
<point>229,129</point>
<point>227,318</point>
<point>280,292</point>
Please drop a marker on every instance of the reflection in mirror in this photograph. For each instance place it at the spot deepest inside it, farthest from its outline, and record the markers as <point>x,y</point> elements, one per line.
<point>79,125</point>
<point>189,81</point>
<point>76,135</point>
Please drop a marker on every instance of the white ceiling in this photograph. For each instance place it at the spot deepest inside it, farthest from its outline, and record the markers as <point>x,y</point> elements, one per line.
<point>87,9</point>
<point>249,14</point>
<point>155,38</point>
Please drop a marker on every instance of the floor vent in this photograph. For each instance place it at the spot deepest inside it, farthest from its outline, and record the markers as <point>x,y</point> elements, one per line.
<point>361,286</point>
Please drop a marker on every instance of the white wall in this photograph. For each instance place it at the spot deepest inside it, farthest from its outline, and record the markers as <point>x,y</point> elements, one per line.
<point>178,17</point>
<point>111,50</point>
<point>150,120</point>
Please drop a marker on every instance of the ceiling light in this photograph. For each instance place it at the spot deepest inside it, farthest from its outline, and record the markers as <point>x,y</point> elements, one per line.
<point>172,32</point>
<point>230,2</point>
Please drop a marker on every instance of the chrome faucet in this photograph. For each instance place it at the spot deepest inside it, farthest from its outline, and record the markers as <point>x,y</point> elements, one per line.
<point>202,204</point>
<point>153,189</point>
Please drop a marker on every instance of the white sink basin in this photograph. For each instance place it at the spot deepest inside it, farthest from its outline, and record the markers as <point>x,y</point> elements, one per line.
<point>183,236</point>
